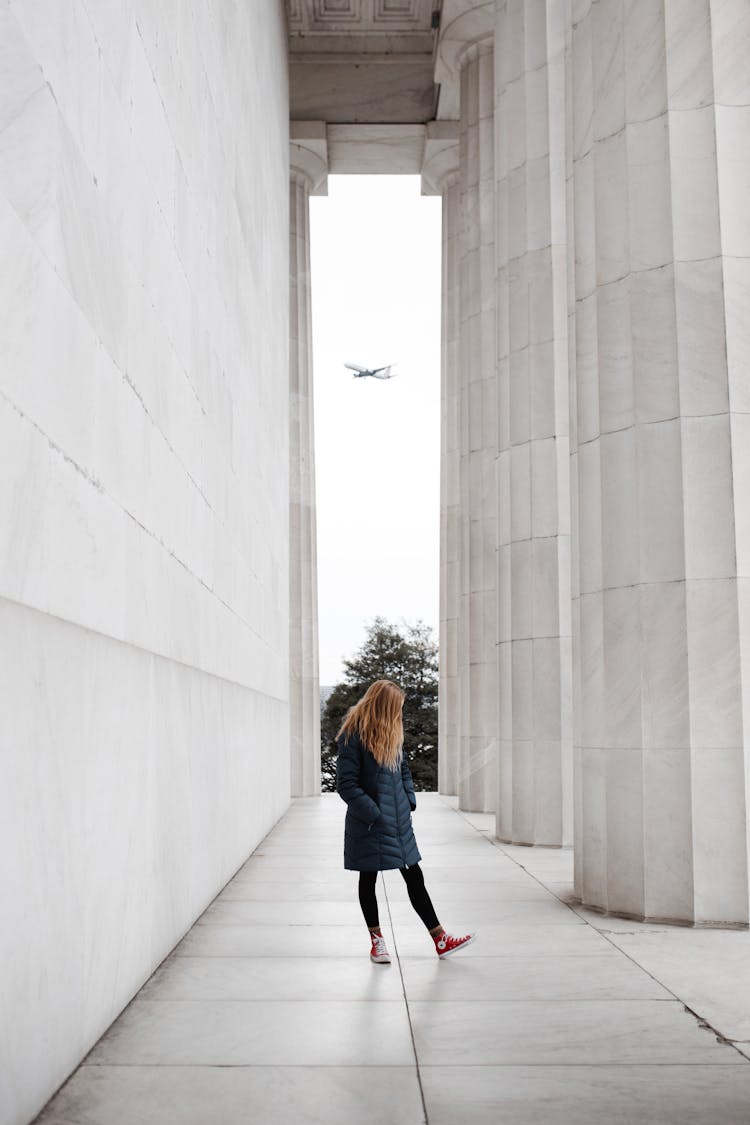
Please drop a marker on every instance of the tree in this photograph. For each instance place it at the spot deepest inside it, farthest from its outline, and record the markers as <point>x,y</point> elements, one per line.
<point>409,657</point>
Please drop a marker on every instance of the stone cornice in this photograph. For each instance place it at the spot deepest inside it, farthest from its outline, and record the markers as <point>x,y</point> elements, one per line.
<point>308,155</point>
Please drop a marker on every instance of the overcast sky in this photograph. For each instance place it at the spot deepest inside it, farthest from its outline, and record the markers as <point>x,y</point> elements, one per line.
<point>375,246</point>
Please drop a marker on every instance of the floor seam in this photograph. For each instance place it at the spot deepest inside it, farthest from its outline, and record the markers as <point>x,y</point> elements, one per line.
<point>406,1002</point>
<point>703,1023</point>
<point>606,1065</point>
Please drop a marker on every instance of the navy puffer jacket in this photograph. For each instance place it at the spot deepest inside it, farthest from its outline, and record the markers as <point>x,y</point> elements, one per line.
<point>378,834</point>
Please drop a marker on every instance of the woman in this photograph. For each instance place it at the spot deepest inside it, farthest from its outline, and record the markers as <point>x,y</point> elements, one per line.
<point>375,781</point>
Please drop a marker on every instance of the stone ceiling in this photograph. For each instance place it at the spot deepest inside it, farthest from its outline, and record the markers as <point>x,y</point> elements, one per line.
<point>362,61</point>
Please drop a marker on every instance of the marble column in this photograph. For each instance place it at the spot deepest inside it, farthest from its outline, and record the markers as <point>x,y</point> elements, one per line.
<point>661,411</point>
<point>466,51</point>
<point>535,783</point>
<point>307,174</point>
<point>440,177</point>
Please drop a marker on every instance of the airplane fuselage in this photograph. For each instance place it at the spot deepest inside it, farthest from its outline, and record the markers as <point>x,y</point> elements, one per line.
<point>372,373</point>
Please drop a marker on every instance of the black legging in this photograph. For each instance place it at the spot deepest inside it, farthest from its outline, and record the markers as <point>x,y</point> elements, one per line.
<point>416,890</point>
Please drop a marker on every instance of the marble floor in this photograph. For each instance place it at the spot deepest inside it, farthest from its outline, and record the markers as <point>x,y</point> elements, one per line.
<point>269,1011</point>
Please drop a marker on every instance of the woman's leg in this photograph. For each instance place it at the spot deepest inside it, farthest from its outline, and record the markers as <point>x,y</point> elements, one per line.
<point>420,899</point>
<point>445,945</point>
<point>368,901</point>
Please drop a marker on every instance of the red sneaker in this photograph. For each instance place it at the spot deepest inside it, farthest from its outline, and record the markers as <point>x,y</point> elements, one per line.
<point>445,944</point>
<point>379,952</point>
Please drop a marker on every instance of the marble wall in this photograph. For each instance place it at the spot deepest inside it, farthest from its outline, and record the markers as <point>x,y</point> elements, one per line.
<point>143,495</point>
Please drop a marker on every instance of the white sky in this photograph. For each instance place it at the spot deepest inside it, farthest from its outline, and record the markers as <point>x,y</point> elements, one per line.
<point>375,248</point>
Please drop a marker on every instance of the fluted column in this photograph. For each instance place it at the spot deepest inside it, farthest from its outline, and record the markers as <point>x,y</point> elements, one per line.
<point>307,174</point>
<point>466,51</point>
<point>440,177</point>
<point>534,804</point>
<point>661,168</point>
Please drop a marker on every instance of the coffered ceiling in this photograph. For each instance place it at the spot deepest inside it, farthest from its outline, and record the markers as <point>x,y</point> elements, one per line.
<point>362,61</point>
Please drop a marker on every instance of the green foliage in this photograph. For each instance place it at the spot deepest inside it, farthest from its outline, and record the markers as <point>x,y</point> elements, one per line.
<point>409,657</point>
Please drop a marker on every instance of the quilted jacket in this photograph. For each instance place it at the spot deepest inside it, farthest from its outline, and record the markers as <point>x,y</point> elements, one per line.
<point>377,834</point>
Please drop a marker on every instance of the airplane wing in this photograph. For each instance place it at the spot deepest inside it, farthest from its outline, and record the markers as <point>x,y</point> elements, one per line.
<point>355,367</point>
<point>384,372</point>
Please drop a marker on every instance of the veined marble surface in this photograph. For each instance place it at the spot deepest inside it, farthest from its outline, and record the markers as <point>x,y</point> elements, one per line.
<point>143,495</point>
<point>658,164</point>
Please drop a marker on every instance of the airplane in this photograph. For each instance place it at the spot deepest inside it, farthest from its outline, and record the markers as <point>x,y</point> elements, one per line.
<point>375,372</point>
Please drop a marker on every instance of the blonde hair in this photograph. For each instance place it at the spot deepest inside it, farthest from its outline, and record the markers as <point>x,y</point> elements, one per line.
<point>376,719</point>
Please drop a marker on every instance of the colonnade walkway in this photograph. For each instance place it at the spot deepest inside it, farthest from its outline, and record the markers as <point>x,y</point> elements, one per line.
<point>269,1010</point>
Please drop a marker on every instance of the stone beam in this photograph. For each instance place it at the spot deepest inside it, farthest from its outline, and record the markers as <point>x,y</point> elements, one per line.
<point>370,89</point>
<point>364,149</point>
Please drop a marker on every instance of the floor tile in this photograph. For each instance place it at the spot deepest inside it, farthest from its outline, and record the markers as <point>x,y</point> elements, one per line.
<point>275,978</point>
<point>323,862</point>
<point>708,969</point>
<point>546,911</point>
<point>273,941</point>
<point>523,977</point>
<point>542,862</point>
<point>265,872</point>
<point>254,890</point>
<point>600,1032</point>
<point>611,924</point>
<point>482,822</point>
<point>587,1095</point>
<point>255,1095</point>
<point>435,857</point>
<point>564,890</point>
<point>492,872</point>
<point>521,890</point>
<point>303,913</point>
<point>503,940</point>
<point>258,1032</point>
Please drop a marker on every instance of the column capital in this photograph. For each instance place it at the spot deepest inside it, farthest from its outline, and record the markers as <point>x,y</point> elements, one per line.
<point>308,155</point>
<point>440,159</point>
<point>467,28</point>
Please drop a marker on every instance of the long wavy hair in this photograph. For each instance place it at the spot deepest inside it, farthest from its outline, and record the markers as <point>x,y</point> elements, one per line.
<point>376,718</point>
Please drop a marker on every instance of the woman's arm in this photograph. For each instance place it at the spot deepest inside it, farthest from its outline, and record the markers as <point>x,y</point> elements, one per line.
<point>408,782</point>
<point>347,782</point>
